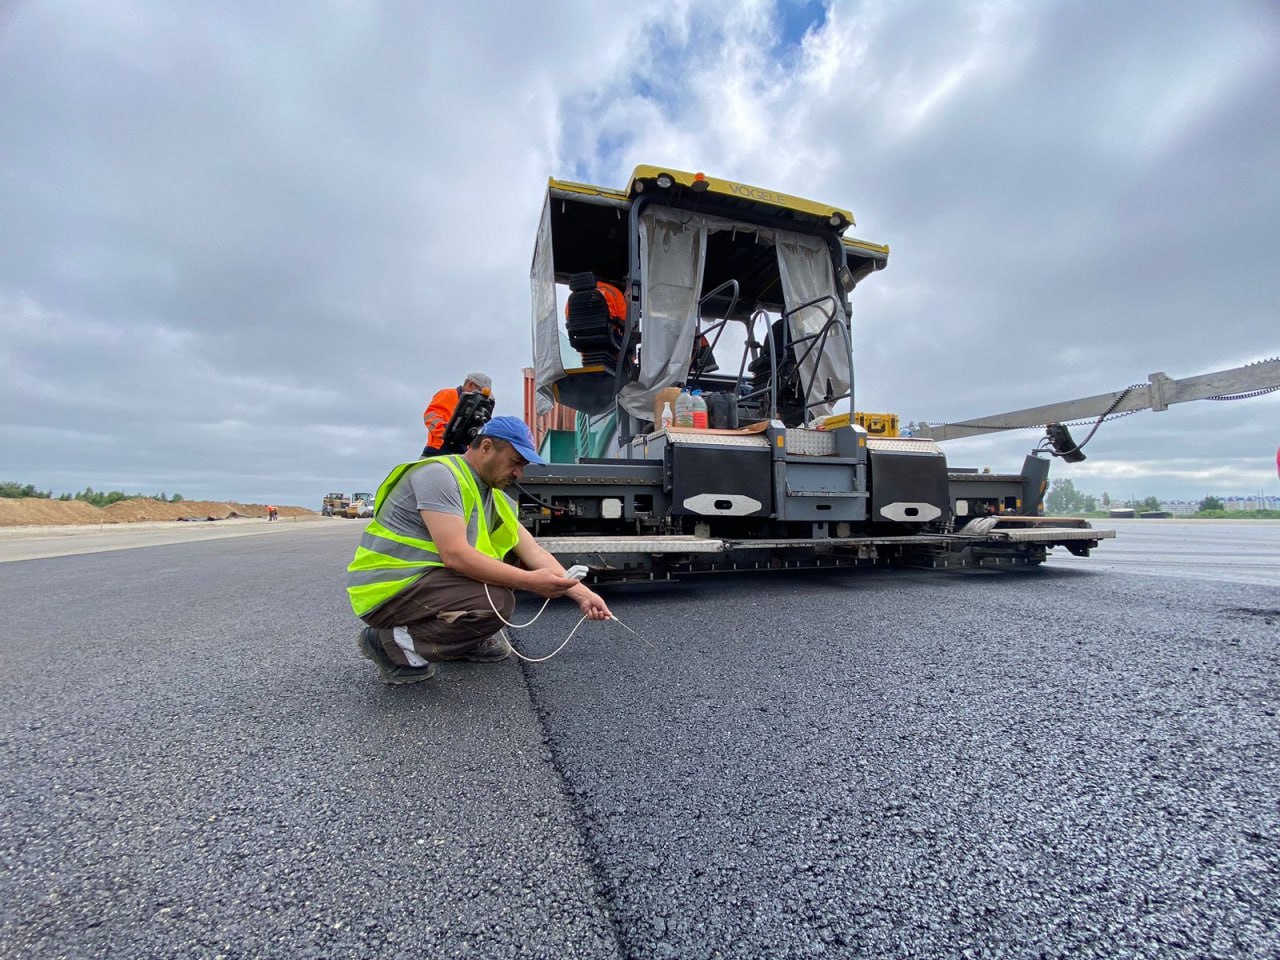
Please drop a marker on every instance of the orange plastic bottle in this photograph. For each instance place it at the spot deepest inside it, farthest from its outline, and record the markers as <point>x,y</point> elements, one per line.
<point>699,411</point>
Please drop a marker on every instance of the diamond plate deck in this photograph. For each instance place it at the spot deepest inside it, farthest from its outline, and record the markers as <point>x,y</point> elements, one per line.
<point>1049,535</point>
<point>903,445</point>
<point>810,443</point>
<point>754,440</point>
<point>603,545</point>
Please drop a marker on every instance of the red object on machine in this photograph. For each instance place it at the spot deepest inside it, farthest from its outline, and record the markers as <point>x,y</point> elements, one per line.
<point>559,418</point>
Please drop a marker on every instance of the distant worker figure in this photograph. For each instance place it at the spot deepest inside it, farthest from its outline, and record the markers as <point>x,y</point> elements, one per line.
<point>271,513</point>
<point>436,417</point>
<point>429,575</point>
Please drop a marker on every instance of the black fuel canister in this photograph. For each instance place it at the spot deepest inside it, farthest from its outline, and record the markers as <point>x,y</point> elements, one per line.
<point>722,411</point>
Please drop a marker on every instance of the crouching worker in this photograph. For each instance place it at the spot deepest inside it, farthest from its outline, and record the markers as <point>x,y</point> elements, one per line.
<point>442,530</point>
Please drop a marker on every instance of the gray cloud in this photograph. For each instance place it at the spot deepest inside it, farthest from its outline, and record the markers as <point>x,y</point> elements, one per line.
<point>244,244</point>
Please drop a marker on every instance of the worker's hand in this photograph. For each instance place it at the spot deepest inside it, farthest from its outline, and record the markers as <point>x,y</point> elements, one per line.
<point>592,605</point>
<point>548,583</point>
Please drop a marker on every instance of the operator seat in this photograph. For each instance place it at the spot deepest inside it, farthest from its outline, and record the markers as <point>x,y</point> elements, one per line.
<point>790,399</point>
<point>595,316</point>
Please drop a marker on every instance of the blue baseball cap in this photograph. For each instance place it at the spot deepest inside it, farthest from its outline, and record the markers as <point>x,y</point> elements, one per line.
<point>515,432</point>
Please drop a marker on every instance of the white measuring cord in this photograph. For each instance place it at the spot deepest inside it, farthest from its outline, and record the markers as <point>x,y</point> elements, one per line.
<point>514,626</point>
<point>521,626</point>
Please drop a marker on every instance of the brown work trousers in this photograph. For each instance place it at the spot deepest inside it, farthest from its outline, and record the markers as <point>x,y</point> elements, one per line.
<point>445,614</point>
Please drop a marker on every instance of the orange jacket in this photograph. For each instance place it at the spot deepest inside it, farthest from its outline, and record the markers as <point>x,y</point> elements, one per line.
<point>438,413</point>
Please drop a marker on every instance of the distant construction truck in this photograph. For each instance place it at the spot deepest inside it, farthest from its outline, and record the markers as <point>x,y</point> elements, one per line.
<point>335,505</point>
<point>361,506</point>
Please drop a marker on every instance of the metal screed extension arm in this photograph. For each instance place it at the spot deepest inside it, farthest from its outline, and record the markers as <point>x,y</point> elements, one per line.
<point>1157,393</point>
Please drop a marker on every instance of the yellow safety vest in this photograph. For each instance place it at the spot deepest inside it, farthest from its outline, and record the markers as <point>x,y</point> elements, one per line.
<point>386,562</point>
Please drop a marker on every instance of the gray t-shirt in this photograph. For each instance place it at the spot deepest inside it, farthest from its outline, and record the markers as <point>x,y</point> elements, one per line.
<point>433,487</point>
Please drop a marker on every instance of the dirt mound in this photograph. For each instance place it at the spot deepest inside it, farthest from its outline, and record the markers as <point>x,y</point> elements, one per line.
<point>142,508</point>
<point>35,511</point>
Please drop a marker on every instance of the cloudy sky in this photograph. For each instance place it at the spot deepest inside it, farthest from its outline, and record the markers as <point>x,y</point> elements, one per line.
<point>241,244</point>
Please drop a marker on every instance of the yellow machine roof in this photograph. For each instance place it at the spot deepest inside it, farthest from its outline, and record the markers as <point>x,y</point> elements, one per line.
<point>728,197</point>
<point>745,194</point>
<point>588,233</point>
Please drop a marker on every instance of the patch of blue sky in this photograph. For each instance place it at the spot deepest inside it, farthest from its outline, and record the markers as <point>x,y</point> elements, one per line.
<point>592,151</point>
<point>795,18</point>
<point>670,58</point>
<point>599,153</point>
<point>577,136</point>
<point>611,147</point>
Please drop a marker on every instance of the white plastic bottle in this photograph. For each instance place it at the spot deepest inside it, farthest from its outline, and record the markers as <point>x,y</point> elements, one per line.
<point>684,409</point>
<point>667,416</point>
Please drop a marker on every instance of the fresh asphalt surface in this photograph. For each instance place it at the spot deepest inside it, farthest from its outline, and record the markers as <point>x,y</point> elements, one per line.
<point>1080,760</point>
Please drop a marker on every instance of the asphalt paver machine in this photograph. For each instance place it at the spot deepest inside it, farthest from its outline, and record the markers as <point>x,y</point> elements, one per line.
<point>683,280</point>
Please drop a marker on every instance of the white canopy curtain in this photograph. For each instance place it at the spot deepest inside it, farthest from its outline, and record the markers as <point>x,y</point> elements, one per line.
<point>807,274</point>
<point>673,248</point>
<point>547,365</point>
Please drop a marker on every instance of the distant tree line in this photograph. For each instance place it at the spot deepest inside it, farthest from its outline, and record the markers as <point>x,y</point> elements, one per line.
<point>99,498</point>
<point>1065,499</point>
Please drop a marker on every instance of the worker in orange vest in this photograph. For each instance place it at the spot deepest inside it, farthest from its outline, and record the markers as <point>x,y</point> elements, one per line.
<point>436,417</point>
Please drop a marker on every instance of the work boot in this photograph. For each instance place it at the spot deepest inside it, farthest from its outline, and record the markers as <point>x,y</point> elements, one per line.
<point>491,651</point>
<point>392,673</point>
